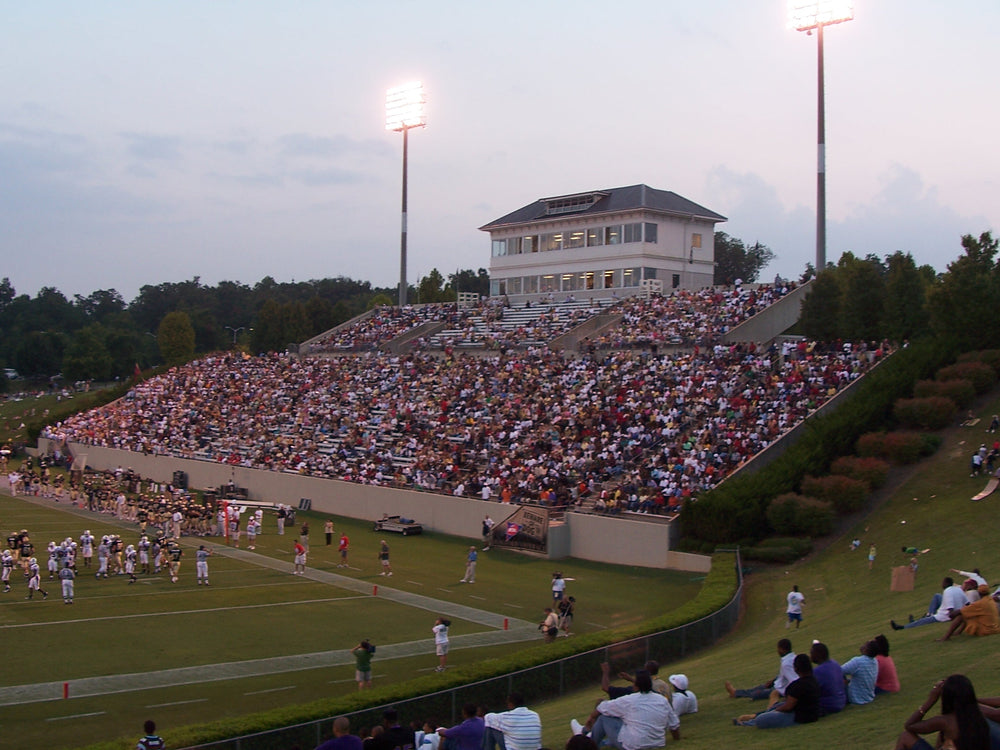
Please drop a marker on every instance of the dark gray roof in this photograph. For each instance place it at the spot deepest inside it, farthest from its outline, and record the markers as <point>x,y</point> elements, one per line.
<point>613,200</point>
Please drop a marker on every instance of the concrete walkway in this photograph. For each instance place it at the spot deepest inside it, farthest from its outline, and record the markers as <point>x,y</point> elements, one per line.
<point>517,631</point>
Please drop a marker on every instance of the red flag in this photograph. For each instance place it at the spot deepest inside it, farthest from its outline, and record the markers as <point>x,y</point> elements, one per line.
<point>138,373</point>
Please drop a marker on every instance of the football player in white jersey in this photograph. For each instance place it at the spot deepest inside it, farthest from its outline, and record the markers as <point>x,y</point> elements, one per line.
<point>34,575</point>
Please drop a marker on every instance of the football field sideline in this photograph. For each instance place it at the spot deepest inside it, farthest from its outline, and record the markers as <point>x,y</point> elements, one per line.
<point>504,630</point>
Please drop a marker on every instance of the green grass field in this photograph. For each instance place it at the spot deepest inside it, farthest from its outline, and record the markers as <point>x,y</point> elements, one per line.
<point>257,610</point>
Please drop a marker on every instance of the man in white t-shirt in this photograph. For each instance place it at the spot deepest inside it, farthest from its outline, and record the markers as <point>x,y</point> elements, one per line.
<point>794,610</point>
<point>684,701</point>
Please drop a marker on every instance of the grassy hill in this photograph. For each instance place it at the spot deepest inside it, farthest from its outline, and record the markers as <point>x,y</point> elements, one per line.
<point>847,604</point>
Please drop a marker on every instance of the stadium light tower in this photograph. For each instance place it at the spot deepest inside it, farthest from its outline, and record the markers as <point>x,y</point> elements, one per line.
<point>404,109</point>
<point>806,15</point>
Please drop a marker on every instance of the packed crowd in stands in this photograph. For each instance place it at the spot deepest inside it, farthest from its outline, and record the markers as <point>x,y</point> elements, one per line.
<point>687,317</point>
<point>385,324</point>
<point>632,431</point>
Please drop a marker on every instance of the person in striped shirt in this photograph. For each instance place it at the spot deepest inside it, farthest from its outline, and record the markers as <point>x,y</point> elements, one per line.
<point>520,728</point>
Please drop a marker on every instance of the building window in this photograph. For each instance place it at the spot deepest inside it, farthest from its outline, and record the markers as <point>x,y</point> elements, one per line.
<point>632,233</point>
<point>595,237</point>
<point>588,280</point>
<point>529,244</point>
<point>530,284</point>
<point>499,248</point>
<point>613,235</point>
<point>695,241</point>
<point>514,246</point>
<point>613,279</point>
<point>676,280</point>
<point>547,283</point>
<point>573,239</point>
<point>568,282</point>
<point>514,285</point>
<point>649,273</point>
<point>630,277</point>
<point>498,287</point>
<point>551,241</point>
<point>650,231</point>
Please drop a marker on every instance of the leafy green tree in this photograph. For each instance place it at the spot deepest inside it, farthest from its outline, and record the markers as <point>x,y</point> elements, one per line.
<point>294,323</point>
<point>821,308</point>
<point>175,337</point>
<point>268,328</point>
<point>380,300</point>
<point>86,356</point>
<point>467,281</point>
<point>906,287</point>
<point>734,260</point>
<point>320,314</point>
<point>862,292</point>
<point>963,305</point>
<point>431,289</point>
<point>39,353</point>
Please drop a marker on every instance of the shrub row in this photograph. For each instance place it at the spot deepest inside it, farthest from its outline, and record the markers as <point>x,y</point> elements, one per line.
<point>961,391</point>
<point>901,447</point>
<point>982,376</point>
<point>932,413</point>
<point>871,471</point>
<point>800,514</point>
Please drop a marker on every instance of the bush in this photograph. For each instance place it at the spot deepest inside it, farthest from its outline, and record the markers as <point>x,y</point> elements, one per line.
<point>932,413</point>
<point>797,514</point>
<point>982,376</point>
<point>962,392</point>
<point>871,471</point>
<point>898,447</point>
<point>990,357</point>
<point>778,550</point>
<point>844,493</point>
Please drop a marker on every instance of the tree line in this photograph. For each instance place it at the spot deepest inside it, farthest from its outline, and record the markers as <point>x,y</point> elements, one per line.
<point>54,339</point>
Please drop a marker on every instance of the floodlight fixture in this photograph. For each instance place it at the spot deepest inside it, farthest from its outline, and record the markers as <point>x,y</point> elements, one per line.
<point>404,109</point>
<point>806,15</point>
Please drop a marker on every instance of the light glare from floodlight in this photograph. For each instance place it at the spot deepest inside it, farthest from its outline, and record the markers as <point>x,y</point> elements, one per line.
<point>404,107</point>
<point>804,15</point>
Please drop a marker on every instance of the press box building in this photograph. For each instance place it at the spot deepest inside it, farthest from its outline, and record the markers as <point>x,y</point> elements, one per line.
<point>602,243</point>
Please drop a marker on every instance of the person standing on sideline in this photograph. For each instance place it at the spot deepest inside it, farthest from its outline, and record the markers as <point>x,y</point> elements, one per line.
<point>176,553</point>
<point>470,566</point>
<point>252,532</point>
<point>342,548</point>
<point>363,664</point>
<point>300,559</point>
<point>328,530</point>
<point>487,532</point>
<point>66,575</point>
<point>871,557</point>
<point>383,556</point>
<point>304,536</point>
<point>151,741</point>
<point>34,576</point>
<point>558,587</point>
<point>201,564</point>
<point>282,515</point>
<point>440,631</point>
<point>794,611</point>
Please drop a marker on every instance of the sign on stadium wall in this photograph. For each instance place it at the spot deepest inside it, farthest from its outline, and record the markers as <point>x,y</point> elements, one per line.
<point>527,528</point>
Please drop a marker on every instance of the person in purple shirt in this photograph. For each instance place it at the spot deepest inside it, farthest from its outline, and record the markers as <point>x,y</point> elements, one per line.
<point>832,693</point>
<point>342,738</point>
<point>465,736</point>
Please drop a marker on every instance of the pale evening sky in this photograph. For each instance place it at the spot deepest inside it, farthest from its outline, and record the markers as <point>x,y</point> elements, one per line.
<point>143,142</point>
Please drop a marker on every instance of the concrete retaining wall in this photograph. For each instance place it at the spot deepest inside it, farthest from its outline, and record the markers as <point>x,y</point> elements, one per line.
<point>589,537</point>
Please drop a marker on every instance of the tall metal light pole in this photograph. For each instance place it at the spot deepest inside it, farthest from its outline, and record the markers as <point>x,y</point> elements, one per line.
<point>806,15</point>
<point>404,109</point>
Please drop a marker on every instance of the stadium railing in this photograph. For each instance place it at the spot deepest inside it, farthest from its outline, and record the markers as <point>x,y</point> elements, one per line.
<point>540,683</point>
